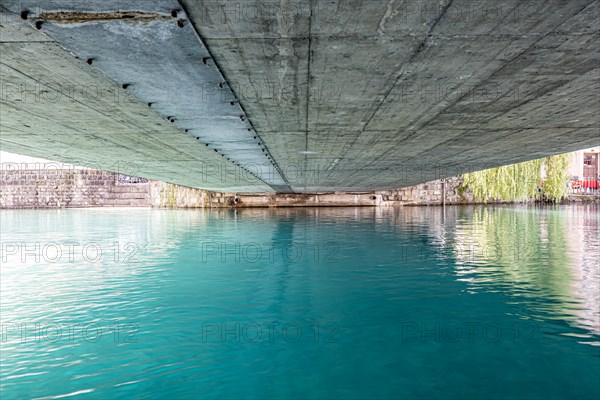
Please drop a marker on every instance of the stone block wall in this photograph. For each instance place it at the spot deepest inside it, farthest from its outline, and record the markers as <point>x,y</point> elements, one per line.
<point>92,188</point>
<point>61,188</point>
<point>429,193</point>
<point>168,195</point>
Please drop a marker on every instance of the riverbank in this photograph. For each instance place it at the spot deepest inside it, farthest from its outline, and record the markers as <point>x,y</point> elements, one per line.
<point>83,188</point>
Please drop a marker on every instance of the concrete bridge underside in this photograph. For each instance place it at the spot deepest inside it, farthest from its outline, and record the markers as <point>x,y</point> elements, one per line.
<point>298,96</point>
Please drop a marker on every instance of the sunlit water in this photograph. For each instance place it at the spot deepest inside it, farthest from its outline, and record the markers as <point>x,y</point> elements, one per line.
<point>461,303</point>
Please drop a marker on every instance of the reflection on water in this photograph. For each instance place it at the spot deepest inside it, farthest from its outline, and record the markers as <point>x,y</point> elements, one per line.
<point>455,303</point>
<point>548,254</point>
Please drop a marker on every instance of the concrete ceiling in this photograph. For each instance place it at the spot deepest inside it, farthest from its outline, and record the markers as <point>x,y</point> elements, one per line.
<point>299,95</point>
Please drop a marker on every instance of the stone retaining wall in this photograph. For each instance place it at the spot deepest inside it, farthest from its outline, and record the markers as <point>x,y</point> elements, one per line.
<point>444,191</point>
<point>61,188</point>
<point>163,194</point>
<point>91,188</point>
<point>584,198</point>
<point>432,193</point>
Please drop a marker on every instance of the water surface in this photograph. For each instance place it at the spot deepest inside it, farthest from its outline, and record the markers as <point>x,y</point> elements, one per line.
<point>454,303</point>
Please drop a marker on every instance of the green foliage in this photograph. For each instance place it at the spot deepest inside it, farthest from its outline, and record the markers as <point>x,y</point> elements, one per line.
<point>557,176</point>
<point>520,182</point>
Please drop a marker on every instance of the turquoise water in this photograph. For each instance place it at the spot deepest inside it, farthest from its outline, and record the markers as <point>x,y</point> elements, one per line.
<point>461,303</point>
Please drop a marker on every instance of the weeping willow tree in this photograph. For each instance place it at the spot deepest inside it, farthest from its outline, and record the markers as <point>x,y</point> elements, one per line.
<point>521,182</point>
<point>557,176</point>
